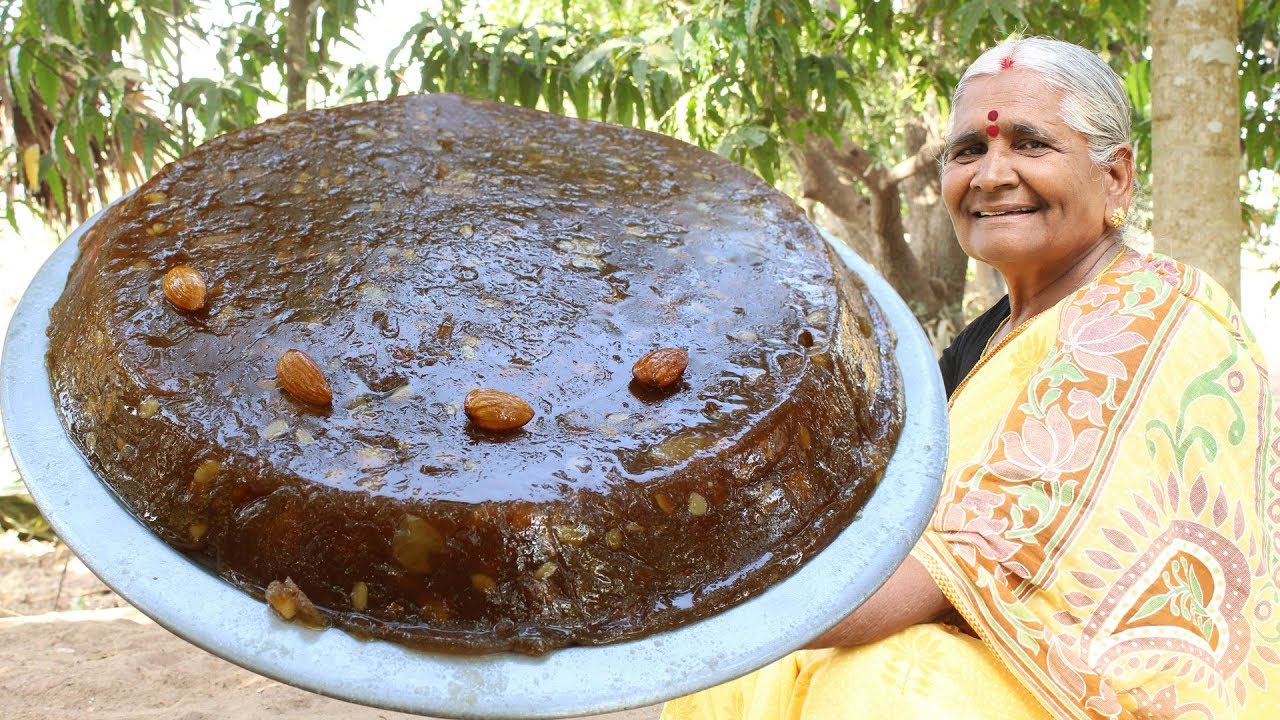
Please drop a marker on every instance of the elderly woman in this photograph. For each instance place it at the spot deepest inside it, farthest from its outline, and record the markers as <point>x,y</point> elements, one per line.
<point>1109,525</point>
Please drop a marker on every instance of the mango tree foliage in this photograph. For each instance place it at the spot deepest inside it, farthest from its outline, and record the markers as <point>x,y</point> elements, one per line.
<point>94,94</point>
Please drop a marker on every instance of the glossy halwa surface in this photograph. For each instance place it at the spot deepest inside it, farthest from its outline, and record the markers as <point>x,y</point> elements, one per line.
<point>425,247</point>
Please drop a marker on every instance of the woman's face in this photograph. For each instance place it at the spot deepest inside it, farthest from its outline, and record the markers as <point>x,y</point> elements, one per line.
<point>1018,181</point>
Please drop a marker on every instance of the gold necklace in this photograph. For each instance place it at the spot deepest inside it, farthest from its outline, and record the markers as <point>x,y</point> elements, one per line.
<point>987,347</point>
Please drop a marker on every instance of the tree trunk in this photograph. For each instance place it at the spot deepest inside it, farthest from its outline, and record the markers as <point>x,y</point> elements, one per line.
<point>296,40</point>
<point>933,236</point>
<point>1195,135</point>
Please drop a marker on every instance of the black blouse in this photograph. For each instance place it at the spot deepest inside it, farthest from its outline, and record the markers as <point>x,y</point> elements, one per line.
<point>966,350</point>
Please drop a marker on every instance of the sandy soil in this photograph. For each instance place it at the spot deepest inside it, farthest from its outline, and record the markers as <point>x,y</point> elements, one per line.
<point>71,648</point>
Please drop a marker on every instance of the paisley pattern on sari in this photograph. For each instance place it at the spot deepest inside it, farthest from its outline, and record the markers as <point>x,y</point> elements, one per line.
<point>1116,540</point>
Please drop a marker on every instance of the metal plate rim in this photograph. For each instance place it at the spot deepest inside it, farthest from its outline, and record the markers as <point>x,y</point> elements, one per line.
<point>212,614</point>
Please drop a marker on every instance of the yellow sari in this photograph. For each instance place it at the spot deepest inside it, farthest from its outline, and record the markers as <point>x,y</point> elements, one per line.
<point>1109,526</point>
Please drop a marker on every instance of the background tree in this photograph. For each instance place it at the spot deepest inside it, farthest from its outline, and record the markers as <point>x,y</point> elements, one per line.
<point>1196,154</point>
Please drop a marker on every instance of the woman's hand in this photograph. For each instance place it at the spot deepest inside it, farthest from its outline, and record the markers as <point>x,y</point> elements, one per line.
<point>909,597</point>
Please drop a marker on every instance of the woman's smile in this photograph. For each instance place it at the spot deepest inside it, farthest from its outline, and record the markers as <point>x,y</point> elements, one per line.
<point>1004,212</point>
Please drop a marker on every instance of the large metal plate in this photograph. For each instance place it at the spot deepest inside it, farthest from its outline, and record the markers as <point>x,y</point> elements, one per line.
<point>209,612</point>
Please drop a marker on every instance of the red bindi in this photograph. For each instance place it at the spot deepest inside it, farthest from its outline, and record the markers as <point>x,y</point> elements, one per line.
<point>992,131</point>
<point>1006,63</point>
<point>993,115</point>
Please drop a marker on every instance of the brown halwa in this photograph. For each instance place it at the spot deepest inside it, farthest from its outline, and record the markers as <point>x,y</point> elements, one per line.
<point>419,249</point>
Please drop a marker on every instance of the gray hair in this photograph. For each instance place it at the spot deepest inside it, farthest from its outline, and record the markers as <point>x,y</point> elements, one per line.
<point>1094,103</point>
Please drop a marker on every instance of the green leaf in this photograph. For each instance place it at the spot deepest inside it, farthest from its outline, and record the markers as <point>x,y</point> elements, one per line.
<point>1061,372</point>
<point>496,57</point>
<point>1138,83</point>
<point>125,129</point>
<point>1151,607</point>
<point>1033,497</point>
<point>998,14</point>
<point>530,87</point>
<point>594,58</point>
<point>413,37</point>
<point>49,85</point>
<point>1196,592</point>
<point>64,43</point>
<point>553,93</point>
<point>606,98</point>
<point>22,84</point>
<point>803,81</point>
<point>743,138</point>
<point>753,10</point>
<point>80,141</point>
<point>77,10</point>
<point>678,37</point>
<point>1050,397</point>
<point>663,57</point>
<point>640,71</point>
<point>766,161</point>
<point>1066,493</point>
<point>149,138</point>
<point>966,18</point>
<point>623,103</point>
<point>53,177</point>
<point>211,117</point>
<point>827,80</point>
<point>581,97</point>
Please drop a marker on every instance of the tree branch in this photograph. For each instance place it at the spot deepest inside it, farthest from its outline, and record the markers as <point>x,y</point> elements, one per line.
<point>856,161</point>
<point>821,182</point>
<point>927,156</point>
<point>849,157</point>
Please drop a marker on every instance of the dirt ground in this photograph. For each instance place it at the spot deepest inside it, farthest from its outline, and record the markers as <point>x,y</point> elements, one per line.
<point>71,648</point>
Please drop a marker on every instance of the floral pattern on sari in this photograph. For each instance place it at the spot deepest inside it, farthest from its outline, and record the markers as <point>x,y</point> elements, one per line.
<point>1118,543</point>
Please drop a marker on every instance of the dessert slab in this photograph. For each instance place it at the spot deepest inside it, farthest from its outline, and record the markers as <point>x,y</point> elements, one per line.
<point>194,603</point>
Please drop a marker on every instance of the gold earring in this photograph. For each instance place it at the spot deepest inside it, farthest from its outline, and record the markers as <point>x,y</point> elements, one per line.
<point>1117,217</point>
